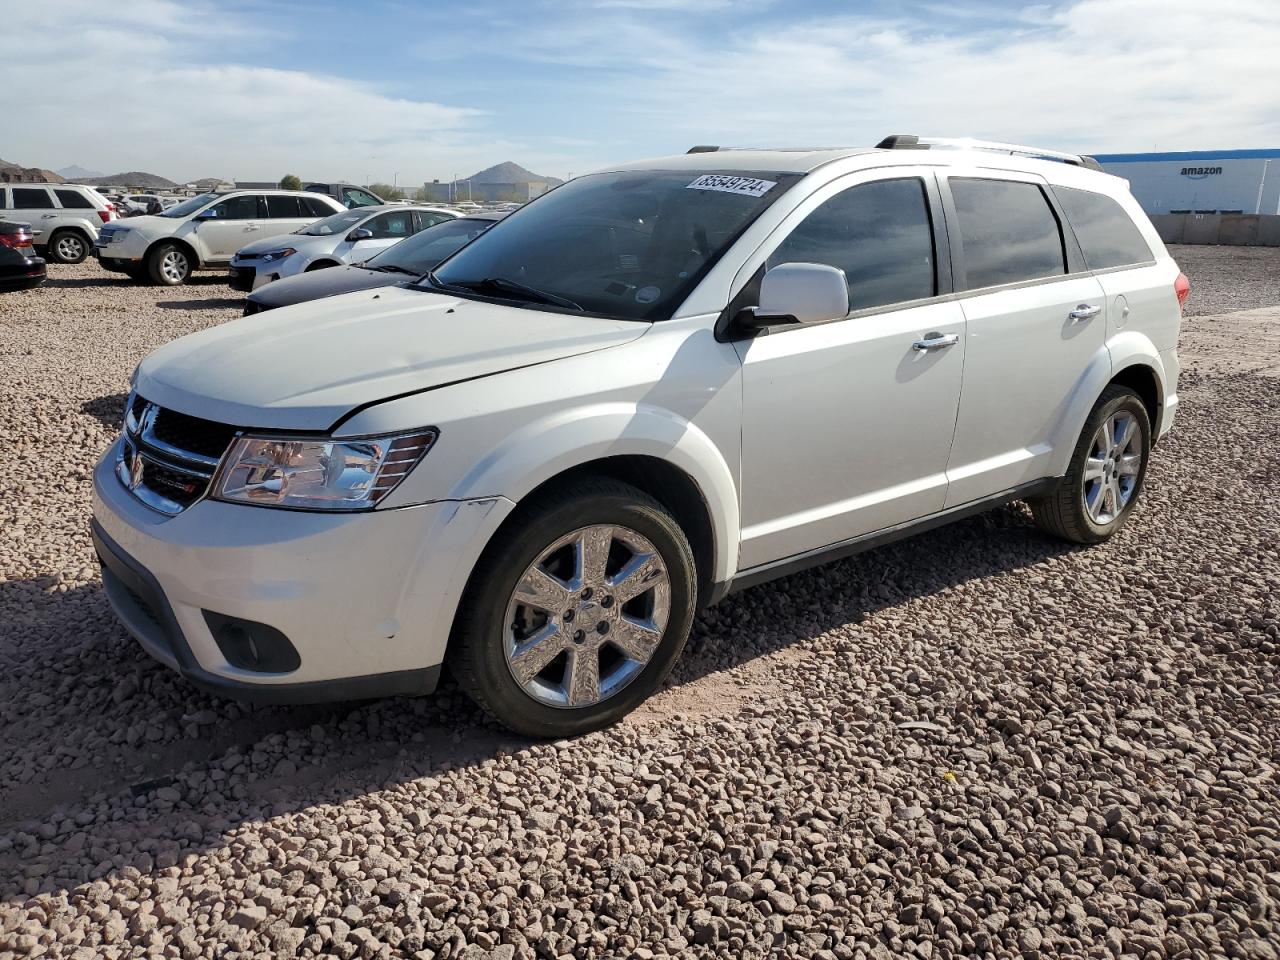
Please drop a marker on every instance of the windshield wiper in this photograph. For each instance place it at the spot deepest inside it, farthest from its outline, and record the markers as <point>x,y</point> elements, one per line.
<point>392,268</point>
<point>503,285</point>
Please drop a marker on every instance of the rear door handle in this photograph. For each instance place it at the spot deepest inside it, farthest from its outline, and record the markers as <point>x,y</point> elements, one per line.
<point>1086,311</point>
<point>935,341</point>
<point>47,216</point>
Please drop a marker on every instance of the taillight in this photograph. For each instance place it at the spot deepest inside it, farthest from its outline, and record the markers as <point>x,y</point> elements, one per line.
<point>15,241</point>
<point>105,215</point>
<point>1182,287</point>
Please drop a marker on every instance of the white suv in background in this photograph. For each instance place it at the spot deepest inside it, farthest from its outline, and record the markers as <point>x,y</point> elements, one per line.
<point>650,386</point>
<point>65,217</point>
<point>204,232</point>
<point>348,237</point>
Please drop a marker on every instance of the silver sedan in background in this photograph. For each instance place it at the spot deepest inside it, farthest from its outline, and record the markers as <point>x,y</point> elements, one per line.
<point>349,237</point>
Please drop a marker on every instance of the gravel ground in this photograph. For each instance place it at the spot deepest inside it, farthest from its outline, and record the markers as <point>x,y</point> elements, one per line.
<point>976,741</point>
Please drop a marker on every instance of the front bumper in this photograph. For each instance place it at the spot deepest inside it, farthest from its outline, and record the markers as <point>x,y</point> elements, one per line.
<point>367,599</point>
<point>242,278</point>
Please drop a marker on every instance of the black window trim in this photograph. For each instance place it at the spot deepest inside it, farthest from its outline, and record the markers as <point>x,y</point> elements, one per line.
<point>1073,257</point>
<point>943,265</point>
<point>1100,271</point>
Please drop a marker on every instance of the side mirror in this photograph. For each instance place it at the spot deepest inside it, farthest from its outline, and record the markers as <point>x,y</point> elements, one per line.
<point>359,233</point>
<point>799,293</point>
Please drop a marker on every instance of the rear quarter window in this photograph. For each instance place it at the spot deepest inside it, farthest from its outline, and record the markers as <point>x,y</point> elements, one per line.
<point>1108,236</point>
<point>1008,232</point>
<point>73,200</point>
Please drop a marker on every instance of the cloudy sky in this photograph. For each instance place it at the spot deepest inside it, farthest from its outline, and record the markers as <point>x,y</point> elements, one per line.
<point>417,90</point>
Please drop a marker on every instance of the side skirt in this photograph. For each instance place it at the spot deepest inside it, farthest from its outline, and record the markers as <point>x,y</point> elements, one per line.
<point>763,573</point>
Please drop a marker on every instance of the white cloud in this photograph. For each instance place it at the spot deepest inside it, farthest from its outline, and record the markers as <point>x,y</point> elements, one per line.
<point>159,96</point>
<point>1100,75</point>
<point>574,84</point>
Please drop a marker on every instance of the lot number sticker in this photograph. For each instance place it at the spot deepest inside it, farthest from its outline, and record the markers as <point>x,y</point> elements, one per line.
<point>746,186</point>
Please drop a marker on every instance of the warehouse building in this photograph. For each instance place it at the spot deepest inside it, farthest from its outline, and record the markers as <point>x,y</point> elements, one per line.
<point>1201,181</point>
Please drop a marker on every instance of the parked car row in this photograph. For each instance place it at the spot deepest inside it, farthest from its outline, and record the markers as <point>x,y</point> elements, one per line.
<point>654,385</point>
<point>65,218</point>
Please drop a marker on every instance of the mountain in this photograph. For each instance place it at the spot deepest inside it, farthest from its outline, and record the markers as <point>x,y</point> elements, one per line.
<point>135,178</point>
<point>509,172</point>
<point>76,172</point>
<point>16,173</point>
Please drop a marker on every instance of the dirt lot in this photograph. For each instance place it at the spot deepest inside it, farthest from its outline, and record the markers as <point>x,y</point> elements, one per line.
<point>979,740</point>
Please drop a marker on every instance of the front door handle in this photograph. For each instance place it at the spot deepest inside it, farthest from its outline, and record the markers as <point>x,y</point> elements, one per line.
<point>935,341</point>
<point>1085,311</point>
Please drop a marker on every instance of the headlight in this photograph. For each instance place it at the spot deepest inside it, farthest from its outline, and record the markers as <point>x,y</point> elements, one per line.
<point>318,473</point>
<point>273,255</point>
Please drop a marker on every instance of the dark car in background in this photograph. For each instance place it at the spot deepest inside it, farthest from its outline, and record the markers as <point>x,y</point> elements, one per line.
<point>408,259</point>
<point>20,268</point>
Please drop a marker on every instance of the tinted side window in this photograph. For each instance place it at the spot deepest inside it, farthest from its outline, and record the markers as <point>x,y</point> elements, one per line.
<point>73,200</point>
<point>1108,237</point>
<point>238,208</point>
<point>425,219</point>
<point>285,208</point>
<point>317,206</point>
<point>31,198</point>
<point>391,226</point>
<point>1008,232</point>
<point>878,234</point>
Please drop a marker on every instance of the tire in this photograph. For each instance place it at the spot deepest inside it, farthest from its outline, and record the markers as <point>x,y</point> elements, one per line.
<point>1083,507</point>
<point>67,246</point>
<point>169,265</point>
<point>494,626</point>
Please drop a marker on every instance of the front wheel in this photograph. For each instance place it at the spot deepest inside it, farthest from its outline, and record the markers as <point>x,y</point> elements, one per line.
<point>169,265</point>
<point>576,612</point>
<point>1106,472</point>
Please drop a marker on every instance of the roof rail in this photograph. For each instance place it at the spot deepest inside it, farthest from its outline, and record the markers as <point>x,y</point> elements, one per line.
<point>907,141</point>
<point>704,148</point>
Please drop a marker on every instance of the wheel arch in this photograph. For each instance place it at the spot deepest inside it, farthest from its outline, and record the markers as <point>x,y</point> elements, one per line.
<point>196,262</point>
<point>1143,380</point>
<point>321,263</point>
<point>662,480</point>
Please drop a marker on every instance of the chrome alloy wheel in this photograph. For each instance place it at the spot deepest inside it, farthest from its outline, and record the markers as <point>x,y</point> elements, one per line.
<point>174,266</point>
<point>587,616</point>
<point>1112,469</point>
<point>69,247</point>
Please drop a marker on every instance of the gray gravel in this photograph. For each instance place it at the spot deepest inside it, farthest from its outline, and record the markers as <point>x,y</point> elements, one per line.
<point>976,741</point>
<point>1229,278</point>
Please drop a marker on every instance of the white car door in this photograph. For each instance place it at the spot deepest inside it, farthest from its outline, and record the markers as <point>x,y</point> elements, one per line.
<point>1034,318</point>
<point>34,205</point>
<point>229,225</point>
<point>846,426</point>
<point>385,229</point>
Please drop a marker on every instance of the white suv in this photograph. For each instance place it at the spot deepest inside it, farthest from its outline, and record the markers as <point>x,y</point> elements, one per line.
<point>650,386</point>
<point>205,232</point>
<point>65,217</point>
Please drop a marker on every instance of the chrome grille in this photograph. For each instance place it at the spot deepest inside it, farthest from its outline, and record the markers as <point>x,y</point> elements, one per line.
<point>166,459</point>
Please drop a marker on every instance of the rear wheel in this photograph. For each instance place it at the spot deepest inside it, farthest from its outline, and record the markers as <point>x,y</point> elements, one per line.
<point>577,611</point>
<point>169,265</point>
<point>1106,472</point>
<point>67,246</point>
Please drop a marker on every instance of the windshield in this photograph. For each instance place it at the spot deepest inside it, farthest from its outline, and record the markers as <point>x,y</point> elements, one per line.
<point>630,245</point>
<point>187,207</point>
<point>338,223</point>
<point>424,251</point>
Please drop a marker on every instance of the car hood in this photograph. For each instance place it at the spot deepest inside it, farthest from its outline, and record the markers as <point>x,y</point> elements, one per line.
<point>310,245</point>
<point>322,283</point>
<point>305,367</point>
